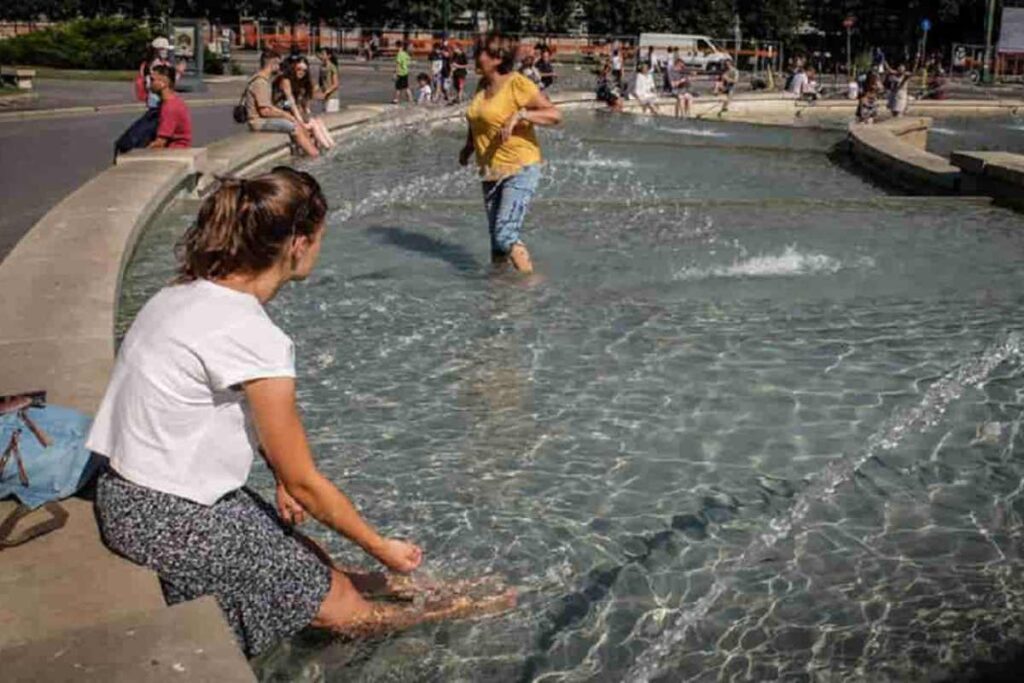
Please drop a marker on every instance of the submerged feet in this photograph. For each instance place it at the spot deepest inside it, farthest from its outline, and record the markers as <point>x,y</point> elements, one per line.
<point>406,602</point>
<point>518,256</point>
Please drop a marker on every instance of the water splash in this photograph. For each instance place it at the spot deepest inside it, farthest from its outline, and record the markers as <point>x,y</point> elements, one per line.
<point>409,192</point>
<point>917,418</point>
<point>790,262</point>
<point>698,132</point>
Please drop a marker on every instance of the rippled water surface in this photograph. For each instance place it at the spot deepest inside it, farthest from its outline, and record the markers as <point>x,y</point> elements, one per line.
<point>1003,134</point>
<point>755,419</point>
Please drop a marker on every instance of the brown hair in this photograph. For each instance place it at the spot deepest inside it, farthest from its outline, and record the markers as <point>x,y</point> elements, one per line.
<point>165,71</point>
<point>498,46</point>
<point>245,224</point>
<point>267,55</point>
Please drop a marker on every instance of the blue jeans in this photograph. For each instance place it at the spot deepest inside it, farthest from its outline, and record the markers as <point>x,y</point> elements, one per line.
<point>507,201</point>
<point>272,126</point>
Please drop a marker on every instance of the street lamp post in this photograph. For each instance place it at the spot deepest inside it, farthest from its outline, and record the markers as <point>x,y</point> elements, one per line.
<point>986,69</point>
<point>848,23</point>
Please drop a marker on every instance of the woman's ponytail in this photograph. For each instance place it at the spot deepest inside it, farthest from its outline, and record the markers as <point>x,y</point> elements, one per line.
<point>245,224</point>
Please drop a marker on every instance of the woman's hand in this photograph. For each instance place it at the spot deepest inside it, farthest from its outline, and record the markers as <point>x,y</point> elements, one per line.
<point>464,154</point>
<point>399,556</point>
<point>510,125</point>
<point>289,509</point>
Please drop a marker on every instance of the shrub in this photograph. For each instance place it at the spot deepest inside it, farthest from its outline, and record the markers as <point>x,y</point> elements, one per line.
<point>104,43</point>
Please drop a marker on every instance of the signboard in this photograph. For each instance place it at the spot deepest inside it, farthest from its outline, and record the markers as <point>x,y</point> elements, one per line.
<point>187,43</point>
<point>1011,32</point>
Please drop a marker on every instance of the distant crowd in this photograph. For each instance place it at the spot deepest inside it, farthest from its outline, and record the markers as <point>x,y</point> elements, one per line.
<point>449,70</point>
<point>280,96</point>
<point>658,74</point>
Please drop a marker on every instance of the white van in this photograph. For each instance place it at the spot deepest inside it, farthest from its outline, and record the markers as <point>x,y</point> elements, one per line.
<point>698,52</point>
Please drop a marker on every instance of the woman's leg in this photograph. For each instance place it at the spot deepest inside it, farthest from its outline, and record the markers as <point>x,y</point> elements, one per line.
<point>346,612</point>
<point>323,136</point>
<point>305,142</point>
<point>516,194</point>
<point>492,203</point>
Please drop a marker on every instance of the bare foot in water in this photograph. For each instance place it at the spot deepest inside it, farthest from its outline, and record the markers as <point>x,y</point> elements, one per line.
<point>520,257</point>
<point>388,618</point>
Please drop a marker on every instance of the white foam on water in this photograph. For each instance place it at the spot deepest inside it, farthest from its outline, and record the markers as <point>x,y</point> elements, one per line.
<point>921,417</point>
<point>790,262</point>
<point>943,131</point>
<point>420,187</point>
<point>596,163</point>
<point>699,132</point>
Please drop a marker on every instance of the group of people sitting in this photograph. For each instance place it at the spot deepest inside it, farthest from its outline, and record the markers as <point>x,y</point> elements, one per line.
<point>279,97</point>
<point>675,78</point>
<point>802,81</point>
<point>881,85</point>
<point>167,122</point>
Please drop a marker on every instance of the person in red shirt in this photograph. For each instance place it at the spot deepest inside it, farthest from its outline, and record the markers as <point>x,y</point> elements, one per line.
<point>175,128</point>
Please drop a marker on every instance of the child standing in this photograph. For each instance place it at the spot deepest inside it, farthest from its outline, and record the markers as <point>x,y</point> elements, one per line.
<point>423,90</point>
<point>402,60</point>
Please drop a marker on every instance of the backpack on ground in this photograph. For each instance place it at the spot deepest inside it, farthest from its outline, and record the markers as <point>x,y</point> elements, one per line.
<point>43,459</point>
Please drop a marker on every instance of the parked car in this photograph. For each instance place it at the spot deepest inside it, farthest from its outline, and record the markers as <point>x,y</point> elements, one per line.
<point>697,51</point>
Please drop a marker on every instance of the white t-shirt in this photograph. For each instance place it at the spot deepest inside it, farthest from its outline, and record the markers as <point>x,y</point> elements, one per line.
<point>173,418</point>
<point>423,94</point>
<point>643,87</point>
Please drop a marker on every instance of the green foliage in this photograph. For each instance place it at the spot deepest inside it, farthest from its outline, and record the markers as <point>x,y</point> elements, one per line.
<point>213,63</point>
<point>106,43</point>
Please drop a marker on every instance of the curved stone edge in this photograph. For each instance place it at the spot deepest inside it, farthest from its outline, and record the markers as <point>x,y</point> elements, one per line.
<point>780,109</point>
<point>997,174</point>
<point>894,150</point>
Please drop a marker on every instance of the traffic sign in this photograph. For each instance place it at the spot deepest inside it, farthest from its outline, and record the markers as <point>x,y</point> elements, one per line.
<point>926,25</point>
<point>848,22</point>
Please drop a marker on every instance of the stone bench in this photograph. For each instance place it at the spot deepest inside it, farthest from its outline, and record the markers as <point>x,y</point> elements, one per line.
<point>21,78</point>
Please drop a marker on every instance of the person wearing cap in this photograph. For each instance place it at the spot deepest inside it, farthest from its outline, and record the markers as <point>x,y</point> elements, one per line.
<point>158,54</point>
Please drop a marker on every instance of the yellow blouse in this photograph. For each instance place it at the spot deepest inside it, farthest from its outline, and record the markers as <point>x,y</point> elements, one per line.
<point>486,116</point>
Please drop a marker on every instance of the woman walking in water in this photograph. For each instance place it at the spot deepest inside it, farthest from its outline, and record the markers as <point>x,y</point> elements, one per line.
<point>203,382</point>
<point>501,134</point>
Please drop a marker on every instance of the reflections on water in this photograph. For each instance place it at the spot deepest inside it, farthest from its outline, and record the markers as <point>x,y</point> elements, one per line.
<point>756,420</point>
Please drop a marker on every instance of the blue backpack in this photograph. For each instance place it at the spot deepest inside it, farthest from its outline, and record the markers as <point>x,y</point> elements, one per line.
<point>43,459</point>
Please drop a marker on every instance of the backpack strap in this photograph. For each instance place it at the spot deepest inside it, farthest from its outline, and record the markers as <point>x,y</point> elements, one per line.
<point>58,518</point>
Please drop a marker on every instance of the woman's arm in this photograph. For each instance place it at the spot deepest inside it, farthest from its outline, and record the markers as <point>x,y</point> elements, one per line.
<point>272,402</point>
<point>538,111</point>
<point>467,149</point>
<point>332,87</point>
<point>293,107</point>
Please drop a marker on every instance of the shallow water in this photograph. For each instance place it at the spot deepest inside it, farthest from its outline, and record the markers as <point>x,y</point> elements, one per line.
<point>974,134</point>
<point>755,419</point>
